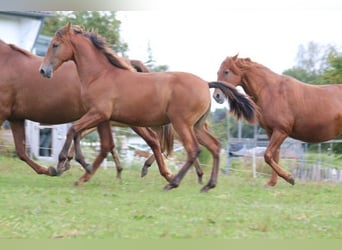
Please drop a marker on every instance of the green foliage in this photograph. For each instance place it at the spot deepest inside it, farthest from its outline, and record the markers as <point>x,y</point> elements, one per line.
<point>41,207</point>
<point>104,22</point>
<point>334,73</point>
<point>311,62</point>
<point>221,122</point>
<point>303,75</point>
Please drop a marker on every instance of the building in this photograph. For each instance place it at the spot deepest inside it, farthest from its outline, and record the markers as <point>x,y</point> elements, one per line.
<point>22,28</point>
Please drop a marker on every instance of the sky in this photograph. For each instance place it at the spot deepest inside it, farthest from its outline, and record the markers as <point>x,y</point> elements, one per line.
<point>197,41</point>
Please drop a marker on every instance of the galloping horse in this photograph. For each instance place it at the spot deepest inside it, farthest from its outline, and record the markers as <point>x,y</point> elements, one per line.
<point>166,145</point>
<point>27,95</point>
<point>111,91</point>
<point>287,107</point>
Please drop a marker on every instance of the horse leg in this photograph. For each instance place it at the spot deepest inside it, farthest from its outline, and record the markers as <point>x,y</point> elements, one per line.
<point>199,171</point>
<point>152,140</point>
<point>274,176</point>
<point>191,146</point>
<point>147,164</point>
<point>117,162</point>
<point>18,131</point>
<point>107,145</point>
<point>272,155</point>
<point>151,159</point>
<point>206,139</point>
<point>91,119</point>
<point>79,157</point>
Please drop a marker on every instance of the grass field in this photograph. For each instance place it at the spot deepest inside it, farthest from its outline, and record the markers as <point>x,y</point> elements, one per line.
<point>41,207</point>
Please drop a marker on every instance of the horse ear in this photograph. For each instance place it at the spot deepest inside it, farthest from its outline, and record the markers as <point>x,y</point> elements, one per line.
<point>235,57</point>
<point>68,26</point>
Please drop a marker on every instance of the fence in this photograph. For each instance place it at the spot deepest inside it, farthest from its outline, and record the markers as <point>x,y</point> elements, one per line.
<point>319,166</point>
<point>294,157</point>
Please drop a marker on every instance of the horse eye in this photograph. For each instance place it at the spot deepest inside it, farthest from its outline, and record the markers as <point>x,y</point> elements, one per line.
<point>226,72</point>
<point>55,45</point>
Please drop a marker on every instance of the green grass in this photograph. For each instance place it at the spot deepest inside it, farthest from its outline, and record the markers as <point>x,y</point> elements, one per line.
<point>41,207</point>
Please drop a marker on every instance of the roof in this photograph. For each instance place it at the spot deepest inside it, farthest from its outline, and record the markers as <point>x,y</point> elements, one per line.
<point>34,14</point>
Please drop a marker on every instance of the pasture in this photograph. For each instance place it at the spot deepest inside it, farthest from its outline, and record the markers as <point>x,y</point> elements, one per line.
<point>42,207</point>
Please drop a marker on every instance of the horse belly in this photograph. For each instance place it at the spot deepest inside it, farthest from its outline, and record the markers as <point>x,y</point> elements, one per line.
<point>318,132</point>
<point>140,115</point>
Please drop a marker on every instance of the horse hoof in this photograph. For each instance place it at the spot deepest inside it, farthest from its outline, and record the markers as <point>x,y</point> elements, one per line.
<point>77,183</point>
<point>169,187</point>
<point>269,185</point>
<point>207,187</point>
<point>60,172</point>
<point>144,172</point>
<point>291,180</point>
<point>52,171</point>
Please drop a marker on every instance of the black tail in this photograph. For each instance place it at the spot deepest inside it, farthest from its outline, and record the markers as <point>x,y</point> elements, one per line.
<point>239,104</point>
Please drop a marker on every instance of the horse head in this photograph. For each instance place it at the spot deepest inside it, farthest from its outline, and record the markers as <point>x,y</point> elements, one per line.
<point>231,71</point>
<point>59,51</point>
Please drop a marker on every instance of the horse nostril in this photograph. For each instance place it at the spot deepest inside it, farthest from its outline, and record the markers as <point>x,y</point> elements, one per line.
<point>42,71</point>
<point>217,96</point>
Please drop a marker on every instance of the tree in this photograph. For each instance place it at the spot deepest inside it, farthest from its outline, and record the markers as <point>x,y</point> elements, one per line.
<point>103,22</point>
<point>311,62</point>
<point>151,63</point>
<point>334,73</point>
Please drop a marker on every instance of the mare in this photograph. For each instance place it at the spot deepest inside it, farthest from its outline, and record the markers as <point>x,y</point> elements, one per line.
<point>111,91</point>
<point>287,107</point>
<point>27,95</point>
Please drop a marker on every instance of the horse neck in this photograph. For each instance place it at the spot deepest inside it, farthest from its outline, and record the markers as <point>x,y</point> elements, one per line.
<point>89,61</point>
<point>256,81</point>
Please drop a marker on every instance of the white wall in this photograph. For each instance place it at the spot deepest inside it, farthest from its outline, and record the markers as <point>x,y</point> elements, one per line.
<point>18,30</point>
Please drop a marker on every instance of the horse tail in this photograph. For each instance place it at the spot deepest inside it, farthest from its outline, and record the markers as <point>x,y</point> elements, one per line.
<point>239,104</point>
<point>166,139</point>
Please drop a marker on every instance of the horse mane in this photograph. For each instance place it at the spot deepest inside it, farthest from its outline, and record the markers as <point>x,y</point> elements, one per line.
<point>101,44</point>
<point>16,48</point>
<point>239,65</point>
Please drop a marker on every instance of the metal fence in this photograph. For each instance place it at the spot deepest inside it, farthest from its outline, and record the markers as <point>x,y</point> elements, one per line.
<point>305,165</point>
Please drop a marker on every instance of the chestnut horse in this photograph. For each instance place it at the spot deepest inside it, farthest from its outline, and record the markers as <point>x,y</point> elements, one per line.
<point>165,134</point>
<point>140,67</point>
<point>287,107</point>
<point>112,91</point>
<point>27,95</point>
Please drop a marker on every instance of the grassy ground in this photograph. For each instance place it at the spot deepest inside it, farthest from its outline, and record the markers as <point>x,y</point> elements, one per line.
<point>41,207</point>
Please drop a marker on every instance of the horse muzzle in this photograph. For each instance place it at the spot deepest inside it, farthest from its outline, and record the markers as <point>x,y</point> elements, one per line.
<point>219,98</point>
<point>46,71</point>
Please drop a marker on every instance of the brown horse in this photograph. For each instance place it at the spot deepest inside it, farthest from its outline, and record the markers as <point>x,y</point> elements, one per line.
<point>165,134</point>
<point>140,67</point>
<point>27,95</point>
<point>112,91</point>
<point>287,107</point>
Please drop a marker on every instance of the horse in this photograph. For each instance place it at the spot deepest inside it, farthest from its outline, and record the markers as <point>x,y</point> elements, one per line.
<point>112,91</point>
<point>166,146</point>
<point>165,134</point>
<point>27,95</point>
<point>287,107</point>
